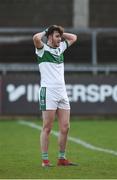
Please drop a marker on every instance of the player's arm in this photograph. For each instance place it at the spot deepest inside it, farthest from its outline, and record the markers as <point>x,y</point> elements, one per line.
<point>70,38</point>
<point>37,39</point>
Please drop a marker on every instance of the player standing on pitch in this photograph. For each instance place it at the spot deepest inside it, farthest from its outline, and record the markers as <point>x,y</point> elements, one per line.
<point>52,96</point>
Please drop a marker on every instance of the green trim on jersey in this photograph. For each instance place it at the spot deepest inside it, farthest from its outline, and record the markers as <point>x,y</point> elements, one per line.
<point>43,98</point>
<point>67,43</point>
<point>48,57</point>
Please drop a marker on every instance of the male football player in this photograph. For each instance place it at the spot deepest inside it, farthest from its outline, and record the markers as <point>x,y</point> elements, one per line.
<point>52,96</point>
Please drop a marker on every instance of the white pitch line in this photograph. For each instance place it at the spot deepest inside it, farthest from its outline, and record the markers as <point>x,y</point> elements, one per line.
<point>72,139</point>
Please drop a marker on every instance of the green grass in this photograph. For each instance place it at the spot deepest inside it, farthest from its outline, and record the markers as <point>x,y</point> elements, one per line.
<point>20,155</point>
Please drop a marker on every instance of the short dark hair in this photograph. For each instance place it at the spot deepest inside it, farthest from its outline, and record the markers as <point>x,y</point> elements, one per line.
<point>53,28</point>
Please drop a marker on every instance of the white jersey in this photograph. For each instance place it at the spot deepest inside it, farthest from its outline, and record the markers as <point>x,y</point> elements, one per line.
<point>51,65</point>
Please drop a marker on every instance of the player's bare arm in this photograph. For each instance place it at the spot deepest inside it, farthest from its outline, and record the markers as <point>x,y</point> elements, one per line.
<point>71,38</point>
<point>37,39</point>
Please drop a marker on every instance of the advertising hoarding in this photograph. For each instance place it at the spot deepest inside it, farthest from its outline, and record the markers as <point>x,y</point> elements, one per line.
<point>88,95</point>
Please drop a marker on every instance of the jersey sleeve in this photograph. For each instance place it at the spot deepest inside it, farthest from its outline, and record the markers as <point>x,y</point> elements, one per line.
<point>40,51</point>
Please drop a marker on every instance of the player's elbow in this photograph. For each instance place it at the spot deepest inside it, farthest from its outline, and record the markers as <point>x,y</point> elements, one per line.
<point>74,37</point>
<point>36,38</point>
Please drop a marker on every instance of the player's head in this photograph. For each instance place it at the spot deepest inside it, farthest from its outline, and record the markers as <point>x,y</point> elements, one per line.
<point>54,28</point>
<point>54,35</point>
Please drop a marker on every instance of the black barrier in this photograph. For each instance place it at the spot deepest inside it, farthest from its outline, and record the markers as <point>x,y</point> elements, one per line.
<point>20,94</point>
<point>88,95</point>
<point>0,95</point>
<point>92,95</point>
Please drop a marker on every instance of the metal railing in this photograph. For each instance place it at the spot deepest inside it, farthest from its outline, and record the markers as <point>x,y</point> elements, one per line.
<point>74,68</point>
<point>92,67</point>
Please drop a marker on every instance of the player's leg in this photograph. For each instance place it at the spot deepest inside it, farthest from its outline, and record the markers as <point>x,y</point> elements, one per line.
<point>48,119</point>
<point>64,125</point>
<point>48,106</point>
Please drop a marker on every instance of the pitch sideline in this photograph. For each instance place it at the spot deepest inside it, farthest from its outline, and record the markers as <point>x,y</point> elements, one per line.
<point>72,139</point>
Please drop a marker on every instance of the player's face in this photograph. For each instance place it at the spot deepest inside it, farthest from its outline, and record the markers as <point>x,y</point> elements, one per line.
<point>55,39</point>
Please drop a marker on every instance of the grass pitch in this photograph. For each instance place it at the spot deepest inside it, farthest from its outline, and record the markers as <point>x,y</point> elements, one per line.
<point>20,155</point>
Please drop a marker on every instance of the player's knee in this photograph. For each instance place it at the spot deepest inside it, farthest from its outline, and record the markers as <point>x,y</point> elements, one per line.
<point>65,128</point>
<point>47,130</point>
